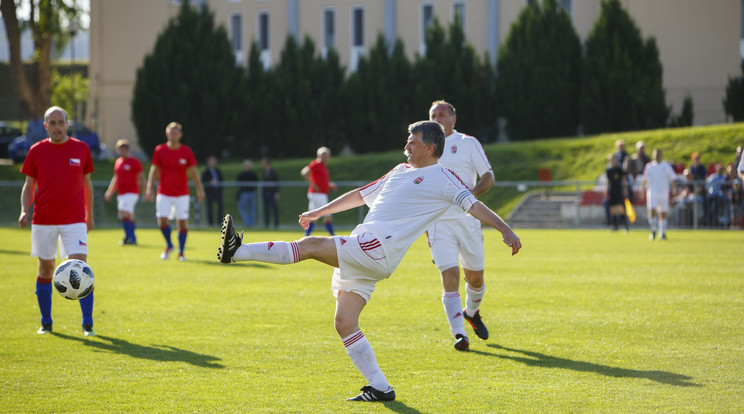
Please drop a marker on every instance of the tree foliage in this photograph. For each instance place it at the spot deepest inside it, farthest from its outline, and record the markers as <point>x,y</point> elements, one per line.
<point>46,21</point>
<point>380,103</point>
<point>733,103</point>
<point>452,70</point>
<point>191,78</point>
<point>539,71</point>
<point>622,76</point>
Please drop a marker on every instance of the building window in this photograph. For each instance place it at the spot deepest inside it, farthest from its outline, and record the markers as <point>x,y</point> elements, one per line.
<point>329,30</point>
<point>458,13</point>
<point>357,36</point>
<point>566,5</point>
<point>263,39</point>
<point>427,18</point>
<point>236,36</point>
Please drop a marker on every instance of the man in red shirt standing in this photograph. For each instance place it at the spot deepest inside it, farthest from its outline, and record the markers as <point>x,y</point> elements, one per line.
<point>60,168</point>
<point>172,162</point>
<point>127,180</point>
<point>318,180</point>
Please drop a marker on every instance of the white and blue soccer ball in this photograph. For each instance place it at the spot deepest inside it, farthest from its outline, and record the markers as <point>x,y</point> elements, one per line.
<point>73,279</point>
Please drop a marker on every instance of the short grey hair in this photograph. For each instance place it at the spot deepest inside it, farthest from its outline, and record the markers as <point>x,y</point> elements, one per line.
<point>54,109</point>
<point>432,133</point>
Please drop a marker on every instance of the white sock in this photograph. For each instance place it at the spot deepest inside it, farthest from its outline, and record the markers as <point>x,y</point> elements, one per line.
<point>663,226</point>
<point>652,222</point>
<point>473,298</point>
<point>361,353</point>
<point>270,252</point>
<point>453,310</point>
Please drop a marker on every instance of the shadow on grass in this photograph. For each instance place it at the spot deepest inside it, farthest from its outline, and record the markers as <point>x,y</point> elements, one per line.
<point>156,353</point>
<point>18,252</point>
<point>537,359</point>
<point>399,407</point>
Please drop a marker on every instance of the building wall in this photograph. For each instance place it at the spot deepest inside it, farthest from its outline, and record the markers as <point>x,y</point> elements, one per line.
<point>698,41</point>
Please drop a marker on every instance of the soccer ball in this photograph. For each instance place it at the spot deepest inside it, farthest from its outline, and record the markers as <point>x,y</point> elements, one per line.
<point>73,279</point>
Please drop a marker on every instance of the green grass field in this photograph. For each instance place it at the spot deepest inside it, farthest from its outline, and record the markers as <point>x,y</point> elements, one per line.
<point>581,321</point>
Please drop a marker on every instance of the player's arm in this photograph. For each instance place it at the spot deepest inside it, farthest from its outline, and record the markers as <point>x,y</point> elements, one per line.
<point>197,182</point>
<point>308,178</point>
<point>111,188</point>
<point>141,180</point>
<point>488,216</point>
<point>344,202</point>
<point>484,184</point>
<point>152,177</point>
<point>27,197</point>
<point>89,218</point>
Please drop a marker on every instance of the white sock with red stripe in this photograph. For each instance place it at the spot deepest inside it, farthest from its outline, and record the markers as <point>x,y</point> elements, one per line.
<point>473,298</point>
<point>453,310</point>
<point>361,353</point>
<point>270,252</point>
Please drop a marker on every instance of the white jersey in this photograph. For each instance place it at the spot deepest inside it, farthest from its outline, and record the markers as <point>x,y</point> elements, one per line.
<point>464,155</point>
<point>407,200</point>
<point>659,177</point>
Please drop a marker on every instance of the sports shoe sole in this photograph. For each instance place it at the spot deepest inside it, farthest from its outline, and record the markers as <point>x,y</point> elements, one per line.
<point>223,252</point>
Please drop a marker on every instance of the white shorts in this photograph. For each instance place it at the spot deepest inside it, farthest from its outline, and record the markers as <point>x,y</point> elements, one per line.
<point>172,207</point>
<point>362,263</point>
<point>458,239</point>
<point>73,239</point>
<point>126,202</point>
<point>657,202</point>
<point>317,200</point>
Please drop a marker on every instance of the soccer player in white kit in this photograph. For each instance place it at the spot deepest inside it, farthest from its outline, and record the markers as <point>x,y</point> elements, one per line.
<point>402,205</point>
<point>658,179</point>
<point>457,237</point>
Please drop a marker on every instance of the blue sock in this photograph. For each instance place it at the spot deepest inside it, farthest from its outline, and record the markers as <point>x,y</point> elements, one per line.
<point>44,297</point>
<point>125,226</point>
<point>166,233</point>
<point>182,240</point>
<point>329,227</point>
<point>86,305</point>
<point>309,229</point>
<point>131,231</point>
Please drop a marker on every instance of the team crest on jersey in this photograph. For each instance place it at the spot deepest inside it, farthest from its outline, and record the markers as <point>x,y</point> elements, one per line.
<point>453,149</point>
<point>418,180</point>
<point>74,162</point>
<point>182,161</point>
<point>126,167</point>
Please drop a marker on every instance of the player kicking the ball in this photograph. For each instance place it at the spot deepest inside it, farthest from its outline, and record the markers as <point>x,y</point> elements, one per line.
<point>402,205</point>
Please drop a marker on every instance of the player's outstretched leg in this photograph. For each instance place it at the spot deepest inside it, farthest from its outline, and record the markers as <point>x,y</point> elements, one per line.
<point>478,326</point>
<point>230,241</point>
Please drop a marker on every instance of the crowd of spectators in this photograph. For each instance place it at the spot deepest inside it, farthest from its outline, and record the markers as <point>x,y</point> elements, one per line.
<point>707,196</point>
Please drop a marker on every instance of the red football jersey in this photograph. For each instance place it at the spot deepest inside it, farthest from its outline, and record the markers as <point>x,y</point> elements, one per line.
<point>59,170</point>
<point>174,180</point>
<point>126,170</point>
<point>319,175</point>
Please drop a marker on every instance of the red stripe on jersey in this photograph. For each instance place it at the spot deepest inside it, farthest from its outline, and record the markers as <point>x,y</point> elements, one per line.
<point>354,339</point>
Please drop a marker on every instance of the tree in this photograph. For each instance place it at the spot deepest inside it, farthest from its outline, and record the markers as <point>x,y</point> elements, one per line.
<point>539,74</point>
<point>46,19</point>
<point>62,91</point>
<point>380,103</point>
<point>622,76</point>
<point>733,104</point>
<point>452,70</point>
<point>686,116</point>
<point>190,77</point>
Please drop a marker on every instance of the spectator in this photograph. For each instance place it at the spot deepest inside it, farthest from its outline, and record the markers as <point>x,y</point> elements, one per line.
<point>698,170</point>
<point>621,154</point>
<point>319,184</point>
<point>736,199</point>
<point>128,180</point>
<point>270,193</point>
<point>212,179</point>
<point>718,205</point>
<point>689,203</point>
<point>247,194</point>
<point>635,166</point>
